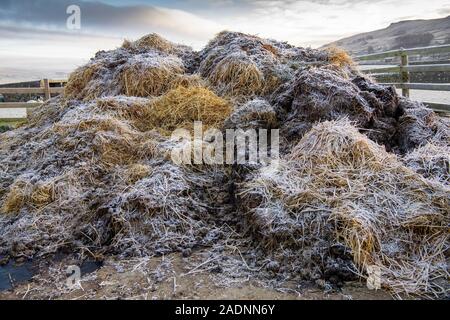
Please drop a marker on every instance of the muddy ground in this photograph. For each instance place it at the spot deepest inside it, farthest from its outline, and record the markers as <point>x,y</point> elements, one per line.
<point>171,277</point>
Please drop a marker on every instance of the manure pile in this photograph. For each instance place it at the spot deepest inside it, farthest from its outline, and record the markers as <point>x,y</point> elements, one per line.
<point>362,184</point>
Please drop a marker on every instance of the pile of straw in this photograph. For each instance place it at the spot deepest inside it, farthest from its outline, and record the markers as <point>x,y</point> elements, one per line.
<point>338,187</point>
<point>180,107</point>
<point>149,74</point>
<point>149,67</point>
<point>243,66</point>
<point>105,188</point>
<point>327,93</point>
<point>255,114</point>
<point>83,83</point>
<point>151,41</point>
<point>432,161</point>
<point>91,172</point>
<point>177,109</point>
<point>339,57</point>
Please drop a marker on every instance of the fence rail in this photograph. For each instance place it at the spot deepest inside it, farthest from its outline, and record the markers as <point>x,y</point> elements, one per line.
<point>19,105</point>
<point>30,90</point>
<point>422,86</point>
<point>404,69</point>
<point>411,68</point>
<point>44,89</point>
<point>409,52</point>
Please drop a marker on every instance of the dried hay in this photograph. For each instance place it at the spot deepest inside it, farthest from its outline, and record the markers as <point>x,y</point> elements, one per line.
<point>254,114</point>
<point>339,187</point>
<point>148,67</point>
<point>94,124</point>
<point>25,191</point>
<point>237,75</point>
<point>318,94</point>
<point>91,172</point>
<point>150,75</point>
<point>97,184</point>
<point>113,140</point>
<point>119,150</point>
<point>119,203</point>
<point>243,66</point>
<point>340,57</point>
<point>155,41</point>
<point>127,44</point>
<point>16,197</point>
<point>271,49</point>
<point>81,83</point>
<point>136,172</point>
<point>187,80</point>
<point>180,107</point>
<point>43,194</point>
<point>176,109</point>
<point>431,161</point>
<point>128,108</point>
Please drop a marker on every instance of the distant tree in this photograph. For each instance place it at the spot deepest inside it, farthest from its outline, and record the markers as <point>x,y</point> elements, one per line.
<point>413,40</point>
<point>370,50</point>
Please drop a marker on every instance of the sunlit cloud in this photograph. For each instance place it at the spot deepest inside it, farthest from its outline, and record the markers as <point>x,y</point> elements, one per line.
<point>31,29</point>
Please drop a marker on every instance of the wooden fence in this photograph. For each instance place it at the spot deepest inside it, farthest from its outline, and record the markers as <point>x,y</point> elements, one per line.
<point>45,89</point>
<point>405,68</point>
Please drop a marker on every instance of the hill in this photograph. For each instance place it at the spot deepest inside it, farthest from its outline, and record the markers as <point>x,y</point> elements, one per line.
<point>406,34</point>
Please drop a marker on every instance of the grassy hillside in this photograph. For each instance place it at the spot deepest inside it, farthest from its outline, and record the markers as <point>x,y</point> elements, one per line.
<point>406,34</point>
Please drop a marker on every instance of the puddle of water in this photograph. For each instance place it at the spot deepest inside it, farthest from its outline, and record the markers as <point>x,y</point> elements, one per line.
<point>13,274</point>
<point>89,266</point>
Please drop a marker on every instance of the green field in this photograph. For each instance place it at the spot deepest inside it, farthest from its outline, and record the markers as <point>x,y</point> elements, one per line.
<point>11,122</point>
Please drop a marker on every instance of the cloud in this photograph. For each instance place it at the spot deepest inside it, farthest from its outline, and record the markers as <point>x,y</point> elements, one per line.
<point>303,22</point>
<point>445,11</point>
<point>35,40</point>
<point>20,41</point>
<point>32,29</point>
<point>106,19</point>
<point>317,22</point>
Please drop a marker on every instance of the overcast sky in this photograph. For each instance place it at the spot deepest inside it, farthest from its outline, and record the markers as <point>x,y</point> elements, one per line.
<point>35,30</point>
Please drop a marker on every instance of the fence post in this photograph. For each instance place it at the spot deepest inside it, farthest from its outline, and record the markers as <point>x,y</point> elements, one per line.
<point>47,89</point>
<point>404,74</point>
